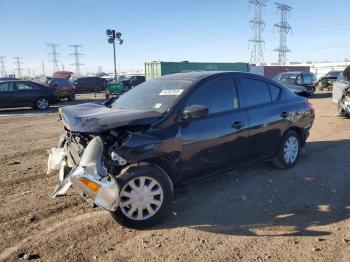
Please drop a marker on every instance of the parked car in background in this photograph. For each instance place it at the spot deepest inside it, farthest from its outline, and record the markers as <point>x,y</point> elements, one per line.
<point>63,88</point>
<point>17,93</point>
<point>303,83</point>
<point>131,81</point>
<point>327,81</point>
<point>89,85</point>
<point>338,87</point>
<point>128,155</point>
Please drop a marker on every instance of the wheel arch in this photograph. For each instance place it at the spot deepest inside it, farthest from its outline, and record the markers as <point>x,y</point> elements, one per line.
<point>300,133</point>
<point>157,163</point>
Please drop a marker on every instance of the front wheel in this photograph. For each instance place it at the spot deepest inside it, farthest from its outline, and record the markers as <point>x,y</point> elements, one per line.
<point>145,195</point>
<point>289,151</point>
<point>42,104</point>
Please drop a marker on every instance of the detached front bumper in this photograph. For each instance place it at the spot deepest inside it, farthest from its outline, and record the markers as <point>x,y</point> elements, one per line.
<point>91,178</point>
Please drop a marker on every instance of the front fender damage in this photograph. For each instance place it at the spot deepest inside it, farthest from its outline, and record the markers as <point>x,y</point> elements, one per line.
<point>91,178</point>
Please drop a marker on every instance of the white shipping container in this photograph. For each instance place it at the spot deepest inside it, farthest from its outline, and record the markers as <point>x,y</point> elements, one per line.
<point>258,70</point>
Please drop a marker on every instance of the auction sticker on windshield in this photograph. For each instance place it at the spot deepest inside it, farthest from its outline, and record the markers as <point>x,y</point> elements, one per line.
<point>171,92</point>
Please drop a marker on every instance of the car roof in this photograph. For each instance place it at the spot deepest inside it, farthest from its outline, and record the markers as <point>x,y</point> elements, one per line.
<point>16,81</point>
<point>197,76</point>
<point>295,72</point>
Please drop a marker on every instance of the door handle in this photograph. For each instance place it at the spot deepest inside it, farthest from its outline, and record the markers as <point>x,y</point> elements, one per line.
<point>284,115</point>
<point>237,125</point>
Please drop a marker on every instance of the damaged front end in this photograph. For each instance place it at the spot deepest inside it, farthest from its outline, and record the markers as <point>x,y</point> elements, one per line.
<point>89,176</point>
<point>88,154</point>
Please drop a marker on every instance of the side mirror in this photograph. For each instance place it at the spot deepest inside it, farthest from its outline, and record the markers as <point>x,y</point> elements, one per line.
<point>194,112</point>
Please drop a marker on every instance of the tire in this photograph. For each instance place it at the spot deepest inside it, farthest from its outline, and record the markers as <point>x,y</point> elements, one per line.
<point>136,176</point>
<point>42,104</point>
<point>71,97</point>
<point>287,159</point>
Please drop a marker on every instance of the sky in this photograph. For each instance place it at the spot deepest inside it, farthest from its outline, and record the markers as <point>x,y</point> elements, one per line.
<point>152,30</point>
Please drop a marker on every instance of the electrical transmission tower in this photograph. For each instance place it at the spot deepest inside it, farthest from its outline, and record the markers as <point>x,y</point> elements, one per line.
<point>257,25</point>
<point>54,54</point>
<point>2,64</point>
<point>76,55</point>
<point>283,28</point>
<point>18,66</point>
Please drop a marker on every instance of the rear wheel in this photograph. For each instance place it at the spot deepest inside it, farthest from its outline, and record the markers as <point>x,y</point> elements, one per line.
<point>145,195</point>
<point>42,104</point>
<point>289,150</point>
<point>71,97</point>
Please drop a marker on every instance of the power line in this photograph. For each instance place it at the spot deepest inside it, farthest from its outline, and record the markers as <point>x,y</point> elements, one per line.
<point>54,54</point>
<point>257,24</point>
<point>2,64</point>
<point>283,28</point>
<point>18,63</point>
<point>76,55</point>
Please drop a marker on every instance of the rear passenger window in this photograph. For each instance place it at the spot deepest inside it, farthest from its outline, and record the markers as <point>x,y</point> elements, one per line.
<point>218,95</point>
<point>275,92</point>
<point>5,87</point>
<point>256,92</point>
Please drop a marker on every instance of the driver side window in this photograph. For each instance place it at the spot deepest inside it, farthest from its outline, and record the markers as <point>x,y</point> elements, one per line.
<point>307,79</point>
<point>218,95</point>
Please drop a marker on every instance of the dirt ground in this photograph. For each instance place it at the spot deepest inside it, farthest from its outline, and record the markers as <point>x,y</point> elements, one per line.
<point>252,214</point>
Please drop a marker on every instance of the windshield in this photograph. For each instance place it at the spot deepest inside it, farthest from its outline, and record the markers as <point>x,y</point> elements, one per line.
<point>154,95</point>
<point>287,79</point>
<point>333,74</point>
<point>340,77</point>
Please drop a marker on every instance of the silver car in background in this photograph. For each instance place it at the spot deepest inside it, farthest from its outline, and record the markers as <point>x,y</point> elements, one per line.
<point>339,87</point>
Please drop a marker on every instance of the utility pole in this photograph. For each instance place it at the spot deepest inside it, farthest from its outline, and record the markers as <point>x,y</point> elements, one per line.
<point>112,36</point>
<point>18,63</point>
<point>62,66</point>
<point>99,69</point>
<point>54,54</point>
<point>76,55</point>
<point>283,28</point>
<point>257,24</point>
<point>2,64</point>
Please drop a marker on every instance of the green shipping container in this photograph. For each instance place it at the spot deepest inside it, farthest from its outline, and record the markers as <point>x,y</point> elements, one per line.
<point>157,69</point>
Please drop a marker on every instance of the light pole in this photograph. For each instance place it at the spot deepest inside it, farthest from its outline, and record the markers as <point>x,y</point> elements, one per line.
<point>112,36</point>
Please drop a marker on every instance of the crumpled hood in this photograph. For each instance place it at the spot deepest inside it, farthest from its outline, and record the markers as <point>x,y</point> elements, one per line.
<point>96,118</point>
<point>297,89</point>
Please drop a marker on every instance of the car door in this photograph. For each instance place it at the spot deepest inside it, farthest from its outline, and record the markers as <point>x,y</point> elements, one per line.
<point>26,93</point>
<point>216,142</point>
<point>267,115</point>
<point>7,94</point>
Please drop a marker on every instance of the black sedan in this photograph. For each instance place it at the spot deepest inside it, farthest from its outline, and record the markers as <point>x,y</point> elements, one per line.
<point>127,156</point>
<point>17,93</point>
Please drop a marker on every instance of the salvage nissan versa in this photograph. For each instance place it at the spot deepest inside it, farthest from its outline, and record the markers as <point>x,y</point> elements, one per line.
<point>128,155</point>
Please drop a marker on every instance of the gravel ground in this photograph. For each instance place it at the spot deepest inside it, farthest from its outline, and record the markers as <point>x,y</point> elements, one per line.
<point>257,213</point>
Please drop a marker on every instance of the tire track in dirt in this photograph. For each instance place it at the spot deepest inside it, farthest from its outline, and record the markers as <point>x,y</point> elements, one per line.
<point>42,235</point>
